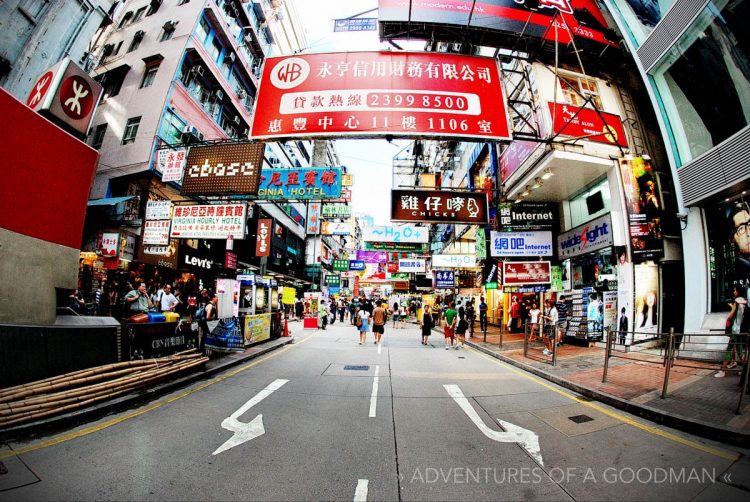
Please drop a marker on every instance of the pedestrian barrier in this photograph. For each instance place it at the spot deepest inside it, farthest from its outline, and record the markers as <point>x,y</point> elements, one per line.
<point>699,351</point>
<point>538,338</point>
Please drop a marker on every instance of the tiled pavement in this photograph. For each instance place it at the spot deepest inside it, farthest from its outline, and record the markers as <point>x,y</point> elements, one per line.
<point>637,377</point>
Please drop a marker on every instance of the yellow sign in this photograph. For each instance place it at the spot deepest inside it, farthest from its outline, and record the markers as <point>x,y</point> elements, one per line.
<point>347,180</point>
<point>288,295</point>
<point>257,328</point>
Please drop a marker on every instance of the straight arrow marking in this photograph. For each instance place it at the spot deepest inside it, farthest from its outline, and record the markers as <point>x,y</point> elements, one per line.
<point>528,440</point>
<point>244,432</point>
<point>360,494</point>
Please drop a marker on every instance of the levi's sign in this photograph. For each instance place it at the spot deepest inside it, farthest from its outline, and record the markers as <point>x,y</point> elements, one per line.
<point>592,236</point>
<point>374,94</point>
<point>223,169</point>
<point>438,206</point>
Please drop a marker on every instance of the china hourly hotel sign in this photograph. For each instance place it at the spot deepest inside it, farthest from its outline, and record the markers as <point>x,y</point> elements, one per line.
<point>373,94</point>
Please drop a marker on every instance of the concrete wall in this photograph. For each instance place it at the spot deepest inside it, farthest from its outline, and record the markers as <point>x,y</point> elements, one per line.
<point>31,270</point>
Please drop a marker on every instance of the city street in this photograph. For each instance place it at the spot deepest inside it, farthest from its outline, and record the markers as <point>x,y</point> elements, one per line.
<point>328,419</point>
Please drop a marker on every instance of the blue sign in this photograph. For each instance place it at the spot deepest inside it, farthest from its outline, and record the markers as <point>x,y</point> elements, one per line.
<point>357,265</point>
<point>445,279</point>
<point>334,290</point>
<point>537,243</point>
<point>300,183</point>
<point>356,24</point>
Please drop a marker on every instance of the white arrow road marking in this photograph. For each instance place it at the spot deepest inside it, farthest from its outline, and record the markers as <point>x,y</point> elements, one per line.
<point>380,346</point>
<point>360,495</point>
<point>374,396</point>
<point>246,431</point>
<point>528,440</point>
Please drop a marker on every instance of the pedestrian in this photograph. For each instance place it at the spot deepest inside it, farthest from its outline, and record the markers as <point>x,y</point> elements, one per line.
<point>549,329</point>
<point>482,314</point>
<point>426,326</point>
<point>299,309</point>
<point>461,328</point>
<point>323,313</point>
<point>515,314</point>
<point>379,317</point>
<point>167,301</point>
<point>450,326</point>
<point>363,324</point>
<point>533,319</point>
<point>332,311</point>
<point>623,327</point>
<point>342,308</point>
<point>77,303</point>
<point>435,309</point>
<point>738,321</point>
<point>353,309</point>
<point>138,301</point>
<point>562,318</point>
<point>470,313</point>
<point>396,314</point>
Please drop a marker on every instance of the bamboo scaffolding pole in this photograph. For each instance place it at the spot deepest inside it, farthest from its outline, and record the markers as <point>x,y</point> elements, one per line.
<point>30,416</point>
<point>64,382</point>
<point>94,370</point>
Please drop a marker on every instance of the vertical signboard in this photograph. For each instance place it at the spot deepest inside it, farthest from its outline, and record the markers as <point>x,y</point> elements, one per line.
<point>644,206</point>
<point>445,279</point>
<point>263,243</point>
<point>313,218</point>
<point>171,164</point>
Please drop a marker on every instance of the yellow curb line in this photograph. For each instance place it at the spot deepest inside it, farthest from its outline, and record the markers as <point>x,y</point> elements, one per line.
<point>109,423</point>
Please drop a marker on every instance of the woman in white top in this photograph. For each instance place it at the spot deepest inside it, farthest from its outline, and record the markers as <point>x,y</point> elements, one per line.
<point>534,314</point>
<point>364,327</point>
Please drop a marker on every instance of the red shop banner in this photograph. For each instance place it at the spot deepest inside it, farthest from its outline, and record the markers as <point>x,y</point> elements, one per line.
<point>520,273</point>
<point>392,267</point>
<point>373,94</point>
<point>586,123</point>
<point>263,242</point>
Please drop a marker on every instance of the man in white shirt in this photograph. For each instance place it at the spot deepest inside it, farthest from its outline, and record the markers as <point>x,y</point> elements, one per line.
<point>168,300</point>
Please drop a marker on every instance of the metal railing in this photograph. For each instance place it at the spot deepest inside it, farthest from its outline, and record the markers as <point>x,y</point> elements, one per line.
<point>538,337</point>
<point>699,351</point>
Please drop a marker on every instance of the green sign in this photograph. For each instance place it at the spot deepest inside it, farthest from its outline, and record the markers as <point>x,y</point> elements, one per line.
<point>490,285</point>
<point>481,244</point>
<point>556,283</point>
<point>400,275</point>
<point>403,247</point>
<point>333,280</point>
<point>336,211</point>
<point>341,265</point>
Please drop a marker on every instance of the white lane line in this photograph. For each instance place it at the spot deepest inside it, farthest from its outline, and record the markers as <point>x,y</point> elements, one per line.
<point>374,396</point>
<point>360,495</point>
<point>380,346</point>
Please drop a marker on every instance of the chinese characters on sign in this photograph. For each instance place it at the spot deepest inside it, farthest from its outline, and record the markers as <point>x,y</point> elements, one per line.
<point>523,216</point>
<point>301,183</point>
<point>209,222</point>
<point>313,218</point>
<point>223,169</point>
<point>438,206</point>
<point>356,265</point>
<point>372,256</point>
<point>333,280</point>
<point>341,265</point>
<point>445,279</point>
<point>372,94</point>
<point>521,243</point>
<point>355,24</point>
<point>416,265</point>
<point>337,211</point>
<point>171,164</point>
<point>263,243</point>
<point>587,124</point>
<point>156,232</point>
<point>109,245</point>
<point>158,209</point>
<point>518,273</point>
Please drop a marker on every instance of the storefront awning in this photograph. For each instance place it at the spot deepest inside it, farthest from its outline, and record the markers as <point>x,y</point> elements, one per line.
<point>109,201</point>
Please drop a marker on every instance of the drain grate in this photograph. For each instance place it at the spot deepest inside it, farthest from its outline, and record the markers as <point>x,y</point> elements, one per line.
<point>352,367</point>
<point>580,419</point>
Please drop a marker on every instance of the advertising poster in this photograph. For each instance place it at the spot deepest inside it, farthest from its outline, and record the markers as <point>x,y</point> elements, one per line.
<point>246,283</point>
<point>171,164</point>
<point>480,243</point>
<point>300,183</point>
<point>556,283</point>
<point>257,328</point>
<point>646,319</point>
<point>537,243</point>
<point>609,298</point>
<point>223,169</point>
<point>372,256</point>
<point>288,295</point>
<point>586,123</point>
<point>439,206</point>
<point>209,221</point>
<point>336,228</point>
<point>566,275</point>
<point>644,206</point>
<point>625,301</point>
<point>521,273</point>
<point>374,94</point>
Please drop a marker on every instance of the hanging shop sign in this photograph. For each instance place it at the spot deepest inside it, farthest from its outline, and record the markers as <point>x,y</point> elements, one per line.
<point>171,164</point>
<point>395,246</point>
<point>520,273</point>
<point>525,216</point>
<point>127,246</point>
<point>391,267</point>
<point>109,244</point>
<point>372,256</point>
<point>378,94</point>
<point>66,93</point>
<point>337,211</point>
<point>209,221</point>
<point>263,241</point>
<point>161,256</point>
<point>586,238</point>
<point>412,265</point>
<point>347,180</point>
<point>439,206</point>
<point>355,24</point>
<point>396,233</point>
<point>445,279</point>
<point>400,285</point>
<point>356,265</point>
<point>499,20</point>
<point>333,280</point>
<point>156,232</point>
<point>454,261</point>
<point>404,276</point>
<point>480,243</point>
<point>223,169</point>
<point>521,243</point>
<point>158,209</point>
<point>300,183</point>
<point>313,218</point>
<point>230,260</point>
<point>336,228</point>
<point>588,124</point>
<point>514,155</point>
<point>341,265</point>
<point>645,208</point>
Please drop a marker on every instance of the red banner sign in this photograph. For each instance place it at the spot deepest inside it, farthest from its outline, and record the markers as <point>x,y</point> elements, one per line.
<point>230,260</point>
<point>392,267</point>
<point>373,94</point>
<point>438,206</point>
<point>519,273</point>
<point>588,124</point>
<point>263,243</point>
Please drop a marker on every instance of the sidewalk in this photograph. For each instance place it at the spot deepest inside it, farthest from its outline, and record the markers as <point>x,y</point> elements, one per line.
<point>213,367</point>
<point>696,402</point>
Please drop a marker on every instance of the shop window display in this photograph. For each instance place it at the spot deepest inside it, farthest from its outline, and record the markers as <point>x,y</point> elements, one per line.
<point>729,239</point>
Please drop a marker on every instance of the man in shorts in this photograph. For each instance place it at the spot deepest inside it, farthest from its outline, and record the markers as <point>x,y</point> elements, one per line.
<point>450,325</point>
<point>378,321</point>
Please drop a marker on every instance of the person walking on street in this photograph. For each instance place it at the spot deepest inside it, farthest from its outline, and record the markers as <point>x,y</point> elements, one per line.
<point>534,317</point>
<point>461,328</point>
<point>168,302</point>
<point>396,314</point>
<point>549,329</point>
<point>353,309</point>
<point>299,309</point>
<point>450,326</point>
<point>435,313</point>
<point>514,315</point>
<point>363,324</point>
<point>482,314</point>
<point>342,309</point>
<point>470,313</point>
<point>426,326</point>
<point>738,321</point>
<point>562,318</point>
<point>378,321</point>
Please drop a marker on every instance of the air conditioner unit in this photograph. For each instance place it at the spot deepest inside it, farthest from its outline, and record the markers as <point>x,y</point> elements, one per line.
<point>219,94</point>
<point>199,70</point>
<point>139,34</point>
<point>241,94</point>
<point>170,25</point>
<point>248,38</point>
<point>236,119</point>
<point>230,56</point>
<point>192,131</point>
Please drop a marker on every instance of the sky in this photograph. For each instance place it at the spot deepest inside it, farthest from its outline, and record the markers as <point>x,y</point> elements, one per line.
<point>370,161</point>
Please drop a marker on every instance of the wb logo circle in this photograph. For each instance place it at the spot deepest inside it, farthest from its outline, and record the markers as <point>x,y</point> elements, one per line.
<point>290,73</point>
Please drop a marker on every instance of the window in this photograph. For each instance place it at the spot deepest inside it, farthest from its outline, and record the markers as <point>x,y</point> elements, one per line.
<point>641,16</point>
<point>182,2</point>
<point>34,8</point>
<point>169,28</point>
<point>112,80</point>
<point>149,76</point>
<point>136,41</point>
<point>203,30</point>
<point>215,49</point>
<point>131,129</point>
<point>172,127</point>
<point>155,4</point>
<point>139,14</point>
<point>127,17</point>
<point>117,48</point>
<point>575,90</point>
<point>98,137</point>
